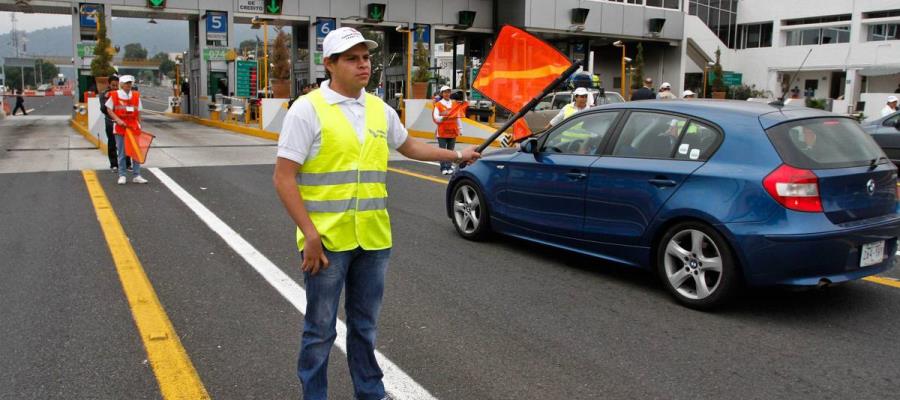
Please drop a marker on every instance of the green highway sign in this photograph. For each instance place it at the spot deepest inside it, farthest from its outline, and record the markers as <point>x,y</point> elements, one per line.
<point>273,7</point>
<point>156,4</point>
<point>215,53</point>
<point>85,50</point>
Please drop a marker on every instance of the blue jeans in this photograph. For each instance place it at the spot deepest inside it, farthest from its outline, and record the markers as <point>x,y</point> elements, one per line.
<point>135,166</point>
<point>449,144</point>
<point>362,272</point>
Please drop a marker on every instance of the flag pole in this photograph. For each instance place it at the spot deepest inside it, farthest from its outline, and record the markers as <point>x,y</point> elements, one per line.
<point>531,104</point>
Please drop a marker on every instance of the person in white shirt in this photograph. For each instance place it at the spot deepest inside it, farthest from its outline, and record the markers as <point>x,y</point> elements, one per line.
<point>448,126</point>
<point>124,107</point>
<point>665,92</point>
<point>579,104</point>
<point>330,174</point>
<point>890,107</point>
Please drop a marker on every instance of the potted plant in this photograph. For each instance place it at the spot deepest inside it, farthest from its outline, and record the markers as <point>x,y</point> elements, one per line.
<point>281,70</point>
<point>101,65</point>
<point>637,73</point>
<point>719,91</point>
<point>421,75</point>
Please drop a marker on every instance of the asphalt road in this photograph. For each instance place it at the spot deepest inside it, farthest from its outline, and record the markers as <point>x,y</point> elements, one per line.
<point>49,105</point>
<point>501,319</point>
<point>155,98</point>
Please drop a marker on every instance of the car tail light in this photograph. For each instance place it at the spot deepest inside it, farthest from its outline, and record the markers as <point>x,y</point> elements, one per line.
<point>793,188</point>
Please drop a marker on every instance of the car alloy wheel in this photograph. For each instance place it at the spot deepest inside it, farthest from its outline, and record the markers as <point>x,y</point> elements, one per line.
<point>693,264</point>
<point>467,209</point>
<point>696,265</point>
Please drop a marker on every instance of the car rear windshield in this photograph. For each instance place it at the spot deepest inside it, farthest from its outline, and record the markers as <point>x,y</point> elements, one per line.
<point>822,143</point>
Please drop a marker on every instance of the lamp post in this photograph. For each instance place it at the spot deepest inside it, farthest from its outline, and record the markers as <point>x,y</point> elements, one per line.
<point>619,43</point>
<point>709,64</point>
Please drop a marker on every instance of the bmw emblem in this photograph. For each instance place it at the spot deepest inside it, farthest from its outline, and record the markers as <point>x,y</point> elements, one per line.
<point>870,186</point>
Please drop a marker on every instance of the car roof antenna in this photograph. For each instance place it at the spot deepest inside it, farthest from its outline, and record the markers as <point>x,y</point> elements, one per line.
<point>780,101</point>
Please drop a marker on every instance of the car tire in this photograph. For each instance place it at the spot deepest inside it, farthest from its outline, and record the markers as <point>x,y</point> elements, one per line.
<point>696,265</point>
<point>470,214</point>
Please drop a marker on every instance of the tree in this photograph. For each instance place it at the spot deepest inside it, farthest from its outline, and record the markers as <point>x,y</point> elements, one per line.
<point>167,66</point>
<point>160,57</point>
<point>247,46</point>
<point>101,65</point>
<point>718,83</point>
<point>134,51</point>
<point>422,74</point>
<point>281,56</point>
<point>637,75</point>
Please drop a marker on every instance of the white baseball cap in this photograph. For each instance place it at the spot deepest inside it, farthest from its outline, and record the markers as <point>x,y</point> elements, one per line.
<point>580,92</point>
<point>126,79</point>
<point>665,85</point>
<point>342,39</point>
<point>687,93</point>
<point>443,88</point>
<point>892,99</point>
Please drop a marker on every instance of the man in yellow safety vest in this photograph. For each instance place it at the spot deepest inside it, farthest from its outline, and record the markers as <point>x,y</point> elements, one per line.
<point>330,175</point>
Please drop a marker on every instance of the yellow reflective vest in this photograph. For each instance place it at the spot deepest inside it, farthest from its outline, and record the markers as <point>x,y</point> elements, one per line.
<point>343,185</point>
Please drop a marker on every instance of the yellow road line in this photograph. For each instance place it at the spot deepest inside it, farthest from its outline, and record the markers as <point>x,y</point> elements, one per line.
<point>417,175</point>
<point>174,371</point>
<point>883,281</point>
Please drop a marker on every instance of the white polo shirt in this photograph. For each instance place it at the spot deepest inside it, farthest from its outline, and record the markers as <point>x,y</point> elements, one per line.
<point>124,96</point>
<point>301,132</point>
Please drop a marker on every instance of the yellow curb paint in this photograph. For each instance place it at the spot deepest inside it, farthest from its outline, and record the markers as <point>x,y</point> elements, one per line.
<point>883,281</point>
<point>246,130</point>
<point>417,175</point>
<point>174,371</point>
<point>87,135</point>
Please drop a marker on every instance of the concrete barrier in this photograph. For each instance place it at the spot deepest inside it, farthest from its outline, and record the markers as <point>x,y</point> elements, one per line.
<point>420,124</point>
<point>273,112</point>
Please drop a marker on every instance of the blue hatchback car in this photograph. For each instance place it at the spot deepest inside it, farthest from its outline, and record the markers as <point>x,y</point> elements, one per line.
<point>711,195</point>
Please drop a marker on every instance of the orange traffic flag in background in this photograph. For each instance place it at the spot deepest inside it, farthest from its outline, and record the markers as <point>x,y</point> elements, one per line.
<point>518,68</point>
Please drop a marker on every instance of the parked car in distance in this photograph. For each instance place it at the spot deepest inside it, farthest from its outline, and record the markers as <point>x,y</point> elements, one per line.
<point>550,105</point>
<point>710,195</point>
<point>886,132</point>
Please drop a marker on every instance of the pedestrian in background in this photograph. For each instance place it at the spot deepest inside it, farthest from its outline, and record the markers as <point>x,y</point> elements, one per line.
<point>111,147</point>
<point>448,126</point>
<point>330,175</point>
<point>688,94</point>
<point>126,107</point>
<point>579,103</point>
<point>890,107</point>
<point>646,92</point>
<point>665,92</point>
<point>20,103</point>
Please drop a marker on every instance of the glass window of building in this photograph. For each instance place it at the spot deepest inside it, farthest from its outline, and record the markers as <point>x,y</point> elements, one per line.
<point>883,32</point>
<point>719,16</point>
<point>839,34</point>
<point>816,36</point>
<point>751,36</point>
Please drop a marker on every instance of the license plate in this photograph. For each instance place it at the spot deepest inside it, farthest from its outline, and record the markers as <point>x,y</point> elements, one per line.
<point>872,253</point>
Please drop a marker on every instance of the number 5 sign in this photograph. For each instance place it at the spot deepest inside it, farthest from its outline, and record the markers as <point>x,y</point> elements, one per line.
<point>216,25</point>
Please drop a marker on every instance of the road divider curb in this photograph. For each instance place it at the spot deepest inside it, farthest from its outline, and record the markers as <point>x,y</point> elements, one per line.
<point>174,370</point>
<point>83,130</point>
<point>246,130</point>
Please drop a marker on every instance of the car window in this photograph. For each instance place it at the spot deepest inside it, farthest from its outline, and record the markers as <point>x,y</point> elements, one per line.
<point>545,103</point>
<point>649,135</point>
<point>697,142</point>
<point>561,100</point>
<point>581,134</point>
<point>892,121</point>
<point>607,98</point>
<point>820,143</point>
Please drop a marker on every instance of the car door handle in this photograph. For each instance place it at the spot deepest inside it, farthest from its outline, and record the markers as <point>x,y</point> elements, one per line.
<point>662,182</point>
<point>576,175</point>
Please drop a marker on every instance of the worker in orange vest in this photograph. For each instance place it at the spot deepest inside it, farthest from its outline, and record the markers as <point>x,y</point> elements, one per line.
<point>448,125</point>
<point>125,105</point>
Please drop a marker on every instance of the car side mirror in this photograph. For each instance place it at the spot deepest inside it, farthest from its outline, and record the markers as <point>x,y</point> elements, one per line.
<point>530,146</point>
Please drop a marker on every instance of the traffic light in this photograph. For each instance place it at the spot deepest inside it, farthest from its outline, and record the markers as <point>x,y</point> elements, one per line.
<point>376,12</point>
<point>156,4</point>
<point>466,18</point>
<point>273,7</point>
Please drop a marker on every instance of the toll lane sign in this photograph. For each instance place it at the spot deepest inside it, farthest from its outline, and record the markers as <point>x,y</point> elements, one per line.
<point>246,78</point>
<point>216,25</point>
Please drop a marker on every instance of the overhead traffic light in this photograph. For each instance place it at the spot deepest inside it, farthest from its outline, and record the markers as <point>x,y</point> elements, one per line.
<point>376,12</point>
<point>273,7</point>
<point>156,4</point>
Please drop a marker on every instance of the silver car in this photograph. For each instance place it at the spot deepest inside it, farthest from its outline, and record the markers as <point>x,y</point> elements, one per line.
<point>886,132</point>
<point>549,106</point>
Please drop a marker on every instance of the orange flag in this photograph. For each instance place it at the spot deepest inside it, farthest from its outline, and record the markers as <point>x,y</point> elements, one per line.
<point>518,68</point>
<point>137,144</point>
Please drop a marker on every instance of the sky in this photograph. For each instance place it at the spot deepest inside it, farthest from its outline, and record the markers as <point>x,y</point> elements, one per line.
<point>33,22</point>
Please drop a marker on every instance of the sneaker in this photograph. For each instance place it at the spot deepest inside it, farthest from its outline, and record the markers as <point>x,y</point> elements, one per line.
<point>122,180</point>
<point>114,169</point>
<point>139,179</point>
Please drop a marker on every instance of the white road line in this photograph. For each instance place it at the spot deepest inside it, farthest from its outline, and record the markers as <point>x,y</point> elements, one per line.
<point>396,382</point>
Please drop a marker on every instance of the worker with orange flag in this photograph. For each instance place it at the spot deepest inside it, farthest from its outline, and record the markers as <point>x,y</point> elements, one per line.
<point>126,107</point>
